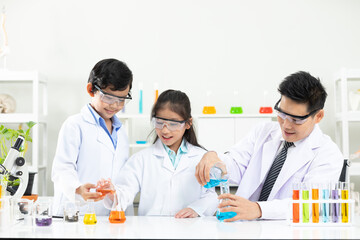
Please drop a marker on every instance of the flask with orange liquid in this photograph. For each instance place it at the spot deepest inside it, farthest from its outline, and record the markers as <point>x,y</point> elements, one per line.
<point>90,216</point>
<point>117,214</point>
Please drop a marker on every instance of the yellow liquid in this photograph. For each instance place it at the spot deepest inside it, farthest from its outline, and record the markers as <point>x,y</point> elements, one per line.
<point>344,206</point>
<point>90,219</point>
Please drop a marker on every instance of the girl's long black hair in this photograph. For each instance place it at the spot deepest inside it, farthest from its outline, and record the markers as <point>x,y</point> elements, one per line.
<point>179,103</point>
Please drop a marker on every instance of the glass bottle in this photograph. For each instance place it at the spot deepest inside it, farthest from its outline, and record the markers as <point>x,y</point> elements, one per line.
<point>90,216</point>
<point>217,175</point>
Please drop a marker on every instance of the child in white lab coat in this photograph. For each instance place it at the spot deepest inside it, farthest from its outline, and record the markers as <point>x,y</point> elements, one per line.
<point>93,144</point>
<point>165,171</point>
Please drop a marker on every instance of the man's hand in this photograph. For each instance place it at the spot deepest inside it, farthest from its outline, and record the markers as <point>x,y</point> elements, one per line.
<point>186,213</point>
<point>202,171</point>
<point>84,191</point>
<point>245,209</point>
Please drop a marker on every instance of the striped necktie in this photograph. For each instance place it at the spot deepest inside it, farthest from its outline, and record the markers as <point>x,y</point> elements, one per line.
<point>274,172</point>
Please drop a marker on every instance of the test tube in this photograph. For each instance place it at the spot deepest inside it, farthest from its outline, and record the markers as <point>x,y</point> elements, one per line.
<point>325,206</point>
<point>315,205</point>
<point>335,209</point>
<point>305,196</point>
<point>344,206</point>
<point>296,207</point>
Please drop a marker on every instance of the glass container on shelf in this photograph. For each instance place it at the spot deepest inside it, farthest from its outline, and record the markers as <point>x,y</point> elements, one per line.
<point>209,108</point>
<point>265,108</point>
<point>235,108</point>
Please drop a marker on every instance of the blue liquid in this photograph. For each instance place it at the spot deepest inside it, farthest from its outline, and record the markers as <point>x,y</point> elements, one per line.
<point>225,215</point>
<point>326,206</point>
<point>141,102</point>
<point>213,183</point>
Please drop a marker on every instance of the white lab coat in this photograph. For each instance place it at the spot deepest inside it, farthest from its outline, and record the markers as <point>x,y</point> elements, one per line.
<point>313,159</point>
<point>164,190</point>
<point>84,154</point>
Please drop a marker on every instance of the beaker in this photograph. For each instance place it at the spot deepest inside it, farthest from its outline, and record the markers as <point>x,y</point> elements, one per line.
<point>43,213</point>
<point>21,211</point>
<point>117,214</point>
<point>224,188</point>
<point>90,216</point>
<point>71,211</point>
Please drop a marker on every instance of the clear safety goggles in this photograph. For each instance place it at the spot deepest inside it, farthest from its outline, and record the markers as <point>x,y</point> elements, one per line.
<point>111,99</point>
<point>292,118</point>
<point>172,125</point>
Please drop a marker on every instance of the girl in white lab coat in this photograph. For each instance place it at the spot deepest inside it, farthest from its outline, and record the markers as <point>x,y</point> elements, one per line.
<point>165,172</point>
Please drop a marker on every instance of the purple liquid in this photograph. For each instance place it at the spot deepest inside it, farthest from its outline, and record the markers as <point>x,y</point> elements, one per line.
<point>43,221</point>
<point>335,213</point>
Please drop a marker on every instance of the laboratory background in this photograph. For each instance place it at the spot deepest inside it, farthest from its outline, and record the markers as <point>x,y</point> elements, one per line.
<point>220,53</point>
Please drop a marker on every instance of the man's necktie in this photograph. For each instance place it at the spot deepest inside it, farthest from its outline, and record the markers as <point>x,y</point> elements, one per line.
<point>274,172</point>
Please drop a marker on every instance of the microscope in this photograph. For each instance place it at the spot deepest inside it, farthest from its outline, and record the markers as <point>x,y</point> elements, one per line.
<point>14,167</point>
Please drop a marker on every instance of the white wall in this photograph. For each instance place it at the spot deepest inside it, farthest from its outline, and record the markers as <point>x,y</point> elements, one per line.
<point>191,45</point>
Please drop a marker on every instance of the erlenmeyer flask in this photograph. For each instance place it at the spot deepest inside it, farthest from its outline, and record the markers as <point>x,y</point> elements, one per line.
<point>90,216</point>
<point>117,214</point>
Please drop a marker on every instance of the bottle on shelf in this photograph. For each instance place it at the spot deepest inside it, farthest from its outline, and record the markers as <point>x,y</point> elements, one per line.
<point>209,108</point>
<point>235,108</point>
<point>265,108</point>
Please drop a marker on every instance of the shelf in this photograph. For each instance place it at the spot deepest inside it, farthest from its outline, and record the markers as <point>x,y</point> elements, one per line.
<point>350,74</point>
<point>352,116</point>
<point>21,118</point>
<point>235,116</point>
<point>22,76</point>
<point>135,145</point>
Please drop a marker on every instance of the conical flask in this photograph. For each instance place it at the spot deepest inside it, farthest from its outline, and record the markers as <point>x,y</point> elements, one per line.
<point>217,175</point>
<point>117,214</point>
<point>90,216</point>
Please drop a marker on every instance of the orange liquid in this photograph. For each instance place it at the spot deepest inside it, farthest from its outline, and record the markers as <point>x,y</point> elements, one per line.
<point>90,219</point>
<point>315,206</point>
<point>209,110</point>
<point>296,207</point>
<point>104,191</point>
<point>156,95</point>
<point>117,217</point>
<point>296,212</point>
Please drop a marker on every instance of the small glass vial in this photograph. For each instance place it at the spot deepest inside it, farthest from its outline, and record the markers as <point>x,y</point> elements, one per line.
<point>90,216</point>
<point>217,175</point>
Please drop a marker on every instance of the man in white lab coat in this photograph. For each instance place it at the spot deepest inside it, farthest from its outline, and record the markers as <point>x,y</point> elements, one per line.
<point>265,185</point>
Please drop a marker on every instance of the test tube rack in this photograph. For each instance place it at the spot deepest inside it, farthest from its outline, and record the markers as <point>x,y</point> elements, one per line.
<point>321,202</point>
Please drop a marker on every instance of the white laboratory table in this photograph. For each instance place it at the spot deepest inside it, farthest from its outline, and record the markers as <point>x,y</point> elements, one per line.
<point>169,227</point>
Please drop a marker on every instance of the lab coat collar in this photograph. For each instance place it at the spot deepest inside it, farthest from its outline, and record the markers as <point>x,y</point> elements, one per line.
<point>306,148</point>
<point>102,136</point>
<point>159,151</point>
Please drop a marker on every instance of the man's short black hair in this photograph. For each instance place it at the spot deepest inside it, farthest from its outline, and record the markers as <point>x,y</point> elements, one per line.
<point>301,87</point>
<point>111,72</point>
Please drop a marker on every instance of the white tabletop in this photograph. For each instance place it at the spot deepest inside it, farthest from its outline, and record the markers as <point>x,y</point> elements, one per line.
<point>169,227</point>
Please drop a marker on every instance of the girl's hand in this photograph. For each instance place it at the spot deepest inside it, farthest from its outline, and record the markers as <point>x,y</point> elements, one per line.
<point>186,213</point>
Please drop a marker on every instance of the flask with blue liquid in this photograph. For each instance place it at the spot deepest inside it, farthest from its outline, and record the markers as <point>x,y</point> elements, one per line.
<point>218,177</point>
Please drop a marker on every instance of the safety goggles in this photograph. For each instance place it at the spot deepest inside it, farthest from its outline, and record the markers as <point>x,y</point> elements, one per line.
<point>172,125</point>
<point>111,99</point>
<point>292,118</point>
